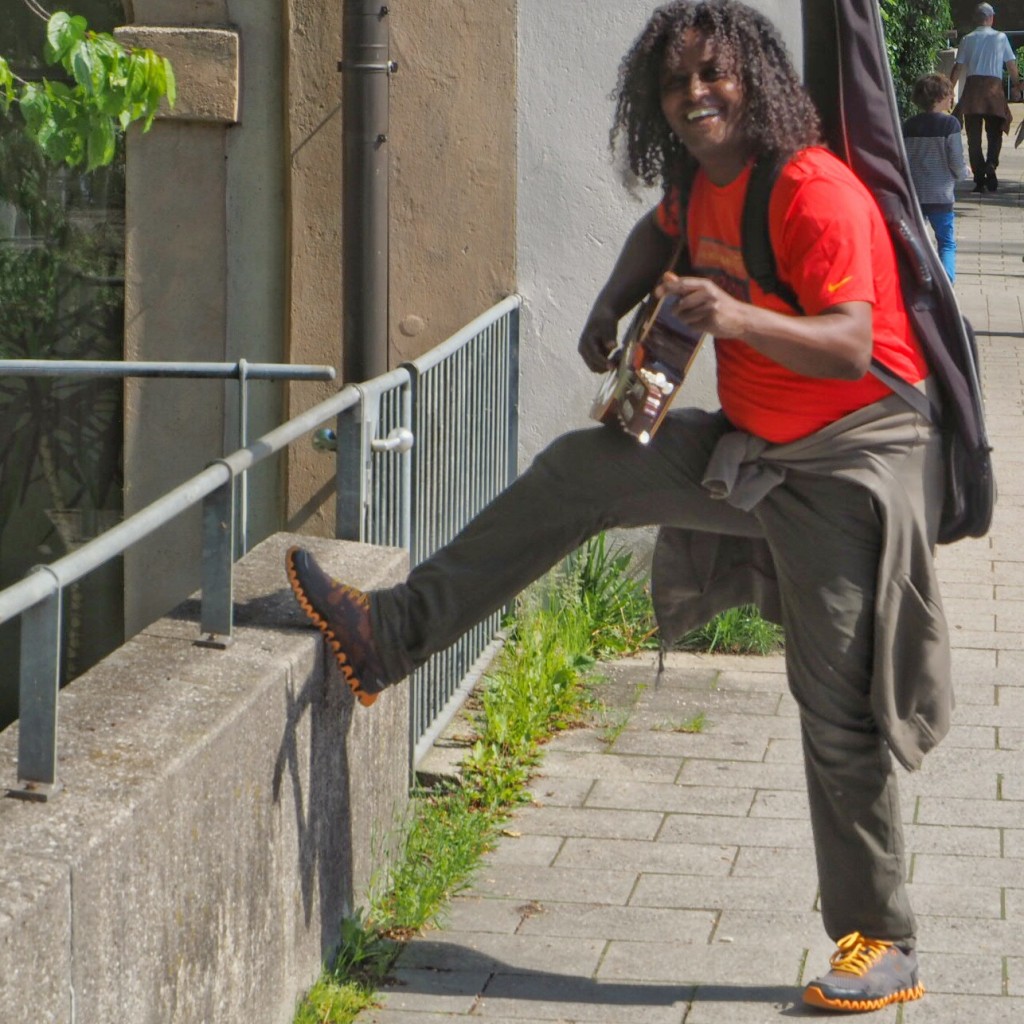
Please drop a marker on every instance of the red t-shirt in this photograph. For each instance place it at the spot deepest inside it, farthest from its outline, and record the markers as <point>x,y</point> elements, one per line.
<point>831,246</point>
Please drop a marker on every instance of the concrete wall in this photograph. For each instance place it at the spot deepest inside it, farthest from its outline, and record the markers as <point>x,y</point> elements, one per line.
<point>312,225</point>
<point>222,810</point>
<point>453,182</point>
<point>452,193</point>
<point>573,211</point>
<point>205,259</point>
<point>234,233</point>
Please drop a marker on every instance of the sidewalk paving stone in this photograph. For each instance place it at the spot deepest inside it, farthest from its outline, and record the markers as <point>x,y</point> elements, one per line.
<point>937,810</point>
<point>583,999</point>
<point>945,1009</point>
<point>575,920</point>
<point>960,974</point>
<point>477,952</point>
<point>640,768</point>
<point>454,992</point>
<point>717,963</point>
<point>674,858</point>
<point>770,861</point>
<point>959,900</point>
<point>613,793</point>
<point>521,849</point>
<point>943,869</point>
<point>729,831</point>
<point>387,1016</point>
<point>760,775</point>
<point>955,840</point>
<point>1013,842</point>
<point>477,913</point>
<point>779,804</point>
<point>683,891</point>
<point>574,885</point>
<point>1010,738</point>
<point>956,934</point>
<point>619,824</point>
<point>560,791</point>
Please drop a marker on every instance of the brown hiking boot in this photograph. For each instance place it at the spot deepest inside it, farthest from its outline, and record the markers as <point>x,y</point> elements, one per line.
<point>342,614</point>
<point>866,974</point>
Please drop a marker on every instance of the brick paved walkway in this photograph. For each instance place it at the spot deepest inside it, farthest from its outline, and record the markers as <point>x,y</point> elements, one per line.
<point>668,878</point>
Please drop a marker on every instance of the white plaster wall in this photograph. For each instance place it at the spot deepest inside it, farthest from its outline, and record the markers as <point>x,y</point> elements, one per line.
<point>573,210</point>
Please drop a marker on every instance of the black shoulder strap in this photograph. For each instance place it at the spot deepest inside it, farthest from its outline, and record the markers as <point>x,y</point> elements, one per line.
<point>758,255</point>
<point>681,263</point>
<point>759,259</point>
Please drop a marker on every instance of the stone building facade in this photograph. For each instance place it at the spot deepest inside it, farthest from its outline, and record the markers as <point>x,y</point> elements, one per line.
<point>234,232</point>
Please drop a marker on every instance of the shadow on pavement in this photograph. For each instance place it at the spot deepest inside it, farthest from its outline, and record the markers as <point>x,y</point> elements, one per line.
<point>471,975</point>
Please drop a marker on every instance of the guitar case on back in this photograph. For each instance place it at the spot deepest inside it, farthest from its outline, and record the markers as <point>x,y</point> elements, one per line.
<point>846,70</point>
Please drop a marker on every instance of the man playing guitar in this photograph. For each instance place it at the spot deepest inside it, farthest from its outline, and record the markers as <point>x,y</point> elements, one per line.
<point>814,491</point>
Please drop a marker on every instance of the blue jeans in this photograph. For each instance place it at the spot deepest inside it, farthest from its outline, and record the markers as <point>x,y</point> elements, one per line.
<point>945,239</point>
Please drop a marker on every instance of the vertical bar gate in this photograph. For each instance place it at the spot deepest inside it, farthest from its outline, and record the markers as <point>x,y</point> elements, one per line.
<point>428,446</point>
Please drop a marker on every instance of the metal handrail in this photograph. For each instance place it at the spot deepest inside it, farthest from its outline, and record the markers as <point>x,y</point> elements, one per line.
<point>38,586</point>
<point>242,369</point>
<point>37,597</point>
<point>446,348</point>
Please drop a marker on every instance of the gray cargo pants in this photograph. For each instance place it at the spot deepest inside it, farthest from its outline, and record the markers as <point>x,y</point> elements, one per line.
<point>824,535</point>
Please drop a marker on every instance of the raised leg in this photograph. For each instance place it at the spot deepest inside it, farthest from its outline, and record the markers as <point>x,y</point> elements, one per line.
<point>585,482</point>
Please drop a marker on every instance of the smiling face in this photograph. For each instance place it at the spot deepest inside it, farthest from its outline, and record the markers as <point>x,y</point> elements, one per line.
<point>702,100</point>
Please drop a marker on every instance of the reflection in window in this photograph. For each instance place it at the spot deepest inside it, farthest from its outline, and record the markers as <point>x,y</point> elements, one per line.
<point>61,298</point>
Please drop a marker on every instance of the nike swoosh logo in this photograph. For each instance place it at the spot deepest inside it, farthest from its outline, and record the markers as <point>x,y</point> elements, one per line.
<point>833,288</point>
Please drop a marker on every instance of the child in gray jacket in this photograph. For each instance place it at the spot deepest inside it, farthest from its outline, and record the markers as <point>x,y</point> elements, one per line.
<point>936,154</point>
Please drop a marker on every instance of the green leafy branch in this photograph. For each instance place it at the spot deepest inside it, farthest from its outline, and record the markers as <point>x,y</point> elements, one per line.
<point>111,86</point>
<point>915,32</point>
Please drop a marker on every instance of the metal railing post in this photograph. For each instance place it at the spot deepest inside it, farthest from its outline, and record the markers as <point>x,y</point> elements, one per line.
<point>372,491</point>
<point>37,709</point>
<point>513,392</point>
<point>218,533</point>
<point>353,471</point>
<point>406,511</point>
<point>243,441</point>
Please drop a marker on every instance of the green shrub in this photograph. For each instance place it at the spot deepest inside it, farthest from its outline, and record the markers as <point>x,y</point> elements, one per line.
<point>736,631</point>
<point>616,602</point>
<point>915,31</point>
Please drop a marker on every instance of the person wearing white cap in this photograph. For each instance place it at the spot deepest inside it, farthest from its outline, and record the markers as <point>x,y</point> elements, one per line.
<point>980,59</point>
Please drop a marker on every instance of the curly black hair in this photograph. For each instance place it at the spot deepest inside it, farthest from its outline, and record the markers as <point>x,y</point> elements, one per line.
<point>778,115</point>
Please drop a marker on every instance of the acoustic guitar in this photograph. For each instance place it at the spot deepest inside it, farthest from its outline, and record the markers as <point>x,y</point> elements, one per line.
<point>650,366</point>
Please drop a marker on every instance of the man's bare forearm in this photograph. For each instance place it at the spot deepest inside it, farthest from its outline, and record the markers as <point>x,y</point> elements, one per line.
<point>642,261</point>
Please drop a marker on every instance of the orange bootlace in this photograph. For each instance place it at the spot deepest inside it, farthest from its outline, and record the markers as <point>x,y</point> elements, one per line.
<point>857,954</point>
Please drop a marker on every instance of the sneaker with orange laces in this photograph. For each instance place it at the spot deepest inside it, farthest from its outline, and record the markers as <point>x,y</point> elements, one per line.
<point>866,974</point>
<point>342,614</point>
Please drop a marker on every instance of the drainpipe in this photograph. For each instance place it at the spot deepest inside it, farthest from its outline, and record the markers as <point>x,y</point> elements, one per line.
<point>366,66</point>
